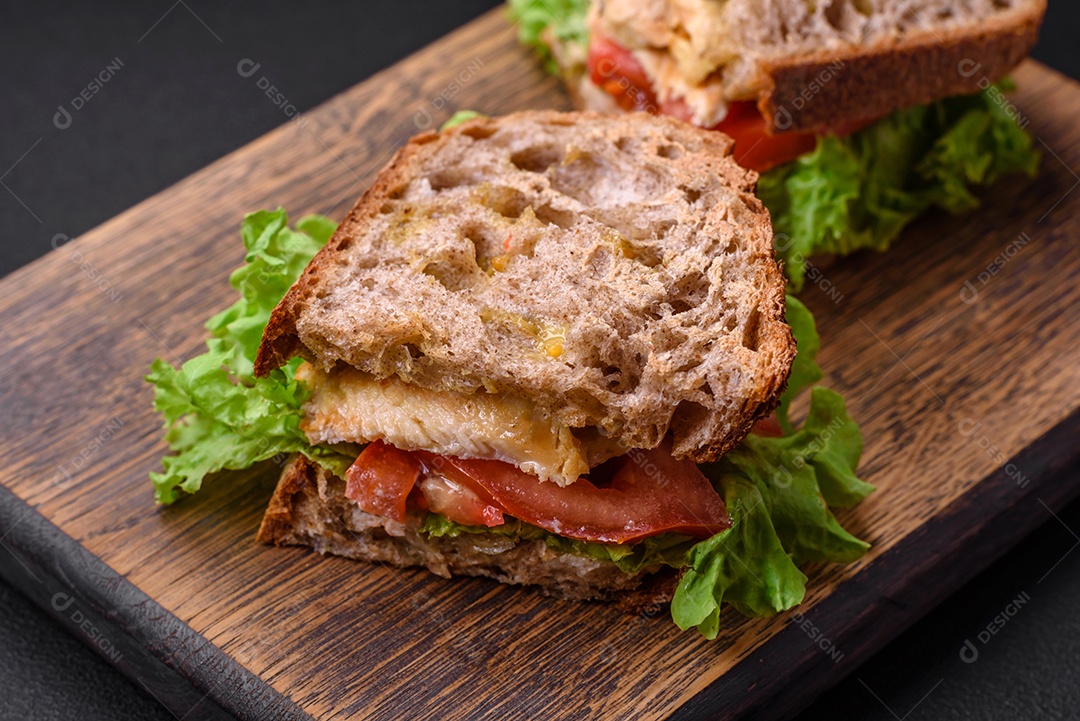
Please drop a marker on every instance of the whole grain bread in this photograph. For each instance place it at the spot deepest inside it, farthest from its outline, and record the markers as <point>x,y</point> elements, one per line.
<point>616,271</point>
<point>309,508</point>
<point>812,66</point>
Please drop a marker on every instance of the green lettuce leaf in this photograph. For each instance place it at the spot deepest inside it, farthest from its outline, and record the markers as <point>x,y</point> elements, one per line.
<point>437,526</point>
<point>745,566</point>
<point>805,371</point>
<point>834,446</point>
<point>459,117</point>
<point>775,490</point>
<point>213,423</point>
<point>276,255</point>
<point>544,22</point>
<point>217,415</point>
<point>786,472</point>
<point>669,549</point>
<point>860,191</point>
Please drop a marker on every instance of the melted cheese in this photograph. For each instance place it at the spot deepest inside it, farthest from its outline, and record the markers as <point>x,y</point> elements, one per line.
<point>347,405</point>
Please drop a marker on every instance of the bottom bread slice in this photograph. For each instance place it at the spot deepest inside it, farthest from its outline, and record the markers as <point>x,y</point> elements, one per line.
<point>309,508</point>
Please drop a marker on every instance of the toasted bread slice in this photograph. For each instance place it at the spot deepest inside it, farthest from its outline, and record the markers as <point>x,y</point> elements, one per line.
<point>615,271</point>
<point>813,66</point>
<point>309,508</point>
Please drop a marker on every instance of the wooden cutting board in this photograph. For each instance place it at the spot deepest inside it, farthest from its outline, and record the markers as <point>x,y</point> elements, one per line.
<point>968,404</point>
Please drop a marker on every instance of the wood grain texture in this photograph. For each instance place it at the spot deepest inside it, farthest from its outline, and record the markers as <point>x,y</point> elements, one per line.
<point>946,391</point>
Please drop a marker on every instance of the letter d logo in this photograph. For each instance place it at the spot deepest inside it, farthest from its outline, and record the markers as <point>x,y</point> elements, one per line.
<point>62,118</point>
<point>422,119</point>
<point>783,119</point>
<point>247,67</point>
<point>968,67</point>
<point>969,293</point>
<point>62,601</point>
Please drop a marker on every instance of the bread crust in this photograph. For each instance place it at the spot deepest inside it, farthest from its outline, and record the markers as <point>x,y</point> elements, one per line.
<point>280,342</point>
<point>309,508</point>
<point>705,428</point>
<point>832,88</point>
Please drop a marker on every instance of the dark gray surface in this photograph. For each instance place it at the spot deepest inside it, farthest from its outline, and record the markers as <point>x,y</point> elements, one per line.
<point>46,673</point>
<point>177,103</point>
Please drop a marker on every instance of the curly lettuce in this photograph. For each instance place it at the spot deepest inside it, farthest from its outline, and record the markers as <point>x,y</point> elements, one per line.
<point>778,492</point>
<point>860,191</point>
<point>217,415</point>
<point>544,23</point>
<point>746,566</point>
<point>459,117</point>
<point>805,371</point>
<point>669,549</point>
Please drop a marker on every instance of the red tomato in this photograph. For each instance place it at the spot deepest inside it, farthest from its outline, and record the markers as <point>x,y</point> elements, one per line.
<point>768,427</point>
<point>459,502</point>
<point>380,480</point>
<point>755,148</point>
<point>614,69</point>
<point>650,493</point>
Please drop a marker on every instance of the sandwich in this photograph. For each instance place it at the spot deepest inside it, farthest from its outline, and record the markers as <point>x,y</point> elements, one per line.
<point>553,349</point>
<point>860,116</point>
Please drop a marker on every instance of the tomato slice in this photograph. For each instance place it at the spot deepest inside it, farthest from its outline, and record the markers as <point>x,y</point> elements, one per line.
<point>617,72</point>
<point>768,427</point>
<point>614,69</point>
<point>459,502</point>
<point>380,480</point>
<point>649,493</point>
<point>755,148</point>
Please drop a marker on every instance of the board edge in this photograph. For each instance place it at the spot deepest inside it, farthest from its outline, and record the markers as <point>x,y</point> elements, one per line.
<point>175,664</point>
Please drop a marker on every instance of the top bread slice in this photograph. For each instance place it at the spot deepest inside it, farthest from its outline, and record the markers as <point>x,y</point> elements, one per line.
<point>615,271</point>
<point>818,65</point>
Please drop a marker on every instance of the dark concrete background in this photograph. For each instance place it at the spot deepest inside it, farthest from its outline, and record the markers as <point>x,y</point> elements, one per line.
<point>177,104</point>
